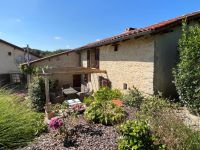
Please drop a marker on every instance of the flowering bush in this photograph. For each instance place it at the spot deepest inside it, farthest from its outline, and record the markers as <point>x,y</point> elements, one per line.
<point>78,107</point>
<point>55,123</point>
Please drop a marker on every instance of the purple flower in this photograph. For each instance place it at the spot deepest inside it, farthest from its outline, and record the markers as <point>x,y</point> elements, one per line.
<point>55,123</point>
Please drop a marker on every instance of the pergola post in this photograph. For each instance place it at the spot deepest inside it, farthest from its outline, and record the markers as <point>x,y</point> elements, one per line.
<point>28,79</point>
<point>47,97</point>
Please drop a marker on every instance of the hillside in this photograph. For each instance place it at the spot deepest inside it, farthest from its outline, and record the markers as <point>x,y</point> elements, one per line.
<point>46,53</point>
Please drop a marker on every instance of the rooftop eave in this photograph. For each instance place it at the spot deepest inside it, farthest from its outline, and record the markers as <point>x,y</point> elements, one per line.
<point>126,37</point>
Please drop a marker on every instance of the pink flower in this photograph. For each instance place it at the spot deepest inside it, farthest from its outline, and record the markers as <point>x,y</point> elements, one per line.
<point>55,123</point>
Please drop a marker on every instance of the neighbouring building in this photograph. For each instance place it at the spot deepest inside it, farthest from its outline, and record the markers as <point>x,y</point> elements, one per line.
<point>142,57</point>
<point>10,58</point>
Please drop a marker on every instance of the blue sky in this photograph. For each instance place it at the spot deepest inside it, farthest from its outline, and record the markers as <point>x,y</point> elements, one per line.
<point>54,24</point>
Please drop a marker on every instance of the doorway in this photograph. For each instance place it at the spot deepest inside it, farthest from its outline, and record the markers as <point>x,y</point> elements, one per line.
<point>77,80</point>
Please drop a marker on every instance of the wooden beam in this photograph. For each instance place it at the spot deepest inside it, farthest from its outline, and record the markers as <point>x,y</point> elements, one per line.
<point>75,70</point>
<point>45,74</point>
<point>79,72</point>
<point>67,68</point>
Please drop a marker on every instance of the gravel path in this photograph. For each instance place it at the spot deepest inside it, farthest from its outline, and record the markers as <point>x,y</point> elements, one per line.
<point>93,137</point>
<point>189,119</point>
<point>85,137</point>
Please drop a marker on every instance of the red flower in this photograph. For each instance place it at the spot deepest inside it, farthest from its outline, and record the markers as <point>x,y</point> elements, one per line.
<point>117,102</point>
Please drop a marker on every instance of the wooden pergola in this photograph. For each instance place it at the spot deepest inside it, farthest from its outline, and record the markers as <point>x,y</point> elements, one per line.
<point>46,73</point>
<point>74,70</point>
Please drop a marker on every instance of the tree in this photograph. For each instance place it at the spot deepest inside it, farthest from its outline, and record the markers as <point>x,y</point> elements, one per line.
<point>187,72</point>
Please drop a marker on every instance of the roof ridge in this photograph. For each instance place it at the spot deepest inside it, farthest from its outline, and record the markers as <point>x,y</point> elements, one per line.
<point>15,46</point>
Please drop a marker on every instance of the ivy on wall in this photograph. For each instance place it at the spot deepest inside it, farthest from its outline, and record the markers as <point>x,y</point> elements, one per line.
<point>32,70</point>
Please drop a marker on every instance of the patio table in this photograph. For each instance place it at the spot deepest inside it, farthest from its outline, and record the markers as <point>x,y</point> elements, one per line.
<point>69,91</point>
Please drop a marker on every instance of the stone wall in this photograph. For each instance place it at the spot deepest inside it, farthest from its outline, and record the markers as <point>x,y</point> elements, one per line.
<point>66,60</point>
<point>132,63</point>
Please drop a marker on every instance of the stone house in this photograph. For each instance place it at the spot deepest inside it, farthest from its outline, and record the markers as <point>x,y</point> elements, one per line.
<point>62,60</point>
<point>142,57</point>
<point>10,58</point>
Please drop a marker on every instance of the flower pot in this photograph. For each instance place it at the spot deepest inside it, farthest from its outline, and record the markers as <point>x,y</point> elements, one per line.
<point>51,115</point>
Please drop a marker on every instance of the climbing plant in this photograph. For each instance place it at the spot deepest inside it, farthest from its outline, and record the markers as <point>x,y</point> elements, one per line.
<point>32,70</point>
<point>28,69</point>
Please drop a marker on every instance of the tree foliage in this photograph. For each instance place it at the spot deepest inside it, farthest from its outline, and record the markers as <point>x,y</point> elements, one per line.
<point>187,72</point>
<point>47,52</point>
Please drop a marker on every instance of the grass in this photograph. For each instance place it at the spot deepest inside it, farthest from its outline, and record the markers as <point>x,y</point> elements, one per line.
<point>18,124</point>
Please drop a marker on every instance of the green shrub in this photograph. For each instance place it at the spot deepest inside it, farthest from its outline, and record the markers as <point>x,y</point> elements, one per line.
<point>154,104</point>
<point>36,94</point>
<point>187,72</point>
<point>53,84</point>
<point>136,135</point>
<point>133,98</point>
<point>18,124</point>
<point>88,100</point>
<point>106,113</point>
<point>106,94</point>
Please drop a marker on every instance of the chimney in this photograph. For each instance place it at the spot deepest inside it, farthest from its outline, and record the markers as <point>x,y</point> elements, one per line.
<point>130,29</point>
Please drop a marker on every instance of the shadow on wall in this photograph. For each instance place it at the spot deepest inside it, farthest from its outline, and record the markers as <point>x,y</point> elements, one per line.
<point>4,79</point>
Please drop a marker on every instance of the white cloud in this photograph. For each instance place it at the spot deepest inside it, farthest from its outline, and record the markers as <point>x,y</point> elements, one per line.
<point>18,20</point>
<point>57,38</point>
<point>97,39</point>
